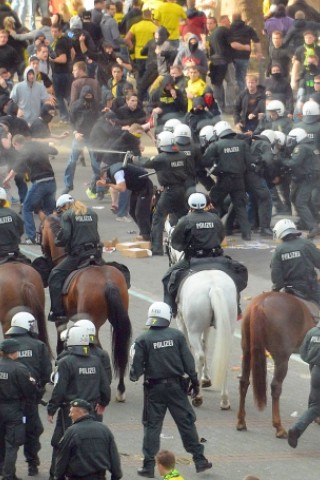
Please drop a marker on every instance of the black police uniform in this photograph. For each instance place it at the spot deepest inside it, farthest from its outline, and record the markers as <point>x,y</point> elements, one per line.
<point>35,356</point>
<point>163,357</point>
<point>15,389</point>
<point>310,353</point>
<point>79,235</point>
<point>293,264</point>
<point>78,374</point>
<point>305,166</point>
<point>86,451</point>
<point>192,154</point>
<point>141,194</point>
<point>229,157</point>
<point>198,234</point>
<point>11,229</point>
<point>171,173</point>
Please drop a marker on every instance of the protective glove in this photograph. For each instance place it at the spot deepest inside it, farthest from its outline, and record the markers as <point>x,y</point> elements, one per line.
<point>194,389</point>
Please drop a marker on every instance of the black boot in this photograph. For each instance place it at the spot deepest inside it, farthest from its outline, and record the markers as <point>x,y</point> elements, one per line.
<point>203,465</point>
<point>146,472</point>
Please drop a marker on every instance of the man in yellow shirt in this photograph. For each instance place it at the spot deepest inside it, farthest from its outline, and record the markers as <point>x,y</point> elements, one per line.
<point>138,36</point>
<point>170,15</point>
<point>196,86</point>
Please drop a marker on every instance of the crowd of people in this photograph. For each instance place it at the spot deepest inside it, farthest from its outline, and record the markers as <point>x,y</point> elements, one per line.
<point>115,73</point>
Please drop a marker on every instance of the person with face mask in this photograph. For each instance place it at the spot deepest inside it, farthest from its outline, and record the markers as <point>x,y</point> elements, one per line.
<point>40,129</point>
<point>279,88</point>
<point>190,55</point>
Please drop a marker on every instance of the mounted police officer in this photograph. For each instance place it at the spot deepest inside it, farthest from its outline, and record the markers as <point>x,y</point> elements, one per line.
<point>171,170</point>
<point>305,166</point>
<point>35,356</point>
<point>15,389</point>
<point>79,373</point>
<point>162,355</point>
<point>228,157</point>
<point>87,449</point>
<point>11,230</point>
<point>78,233</point>
<point>294,261</point>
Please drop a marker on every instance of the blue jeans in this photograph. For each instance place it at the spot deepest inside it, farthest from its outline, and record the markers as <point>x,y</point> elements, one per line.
<point>24,8</point>
<point>40,195</point>
<point>61,84</point>
<point>241,67</point>
<point>77,146</point>
<point>123,203</point>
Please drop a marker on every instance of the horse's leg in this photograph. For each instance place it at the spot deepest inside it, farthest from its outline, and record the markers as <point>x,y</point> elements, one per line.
<point>243,388</point>
<point>205,379</point>
<point>121,390</point>
<point>280,372</point>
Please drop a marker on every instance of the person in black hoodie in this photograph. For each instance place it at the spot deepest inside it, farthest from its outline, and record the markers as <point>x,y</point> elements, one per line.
<point>295,35</point>
<point>278,87</point>
<point>83,115</point>
<point>16,125</point>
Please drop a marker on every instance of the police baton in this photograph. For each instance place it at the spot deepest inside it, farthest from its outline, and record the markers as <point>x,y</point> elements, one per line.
<point>147,174</point>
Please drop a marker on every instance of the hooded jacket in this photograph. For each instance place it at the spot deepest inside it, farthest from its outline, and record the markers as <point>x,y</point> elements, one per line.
<point>84,113</point>
<point>195,55</point>
<point>167,54</point>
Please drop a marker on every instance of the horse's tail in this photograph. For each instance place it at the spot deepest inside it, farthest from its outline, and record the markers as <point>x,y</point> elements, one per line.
<point>121,329</point>
<point>258,355</point>
<point>31,300</point>
<point>224,324</point>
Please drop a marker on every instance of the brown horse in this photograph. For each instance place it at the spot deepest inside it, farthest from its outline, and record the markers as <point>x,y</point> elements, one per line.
<point>21,287</point>
<point>101,293</point>
<point>276,322</point>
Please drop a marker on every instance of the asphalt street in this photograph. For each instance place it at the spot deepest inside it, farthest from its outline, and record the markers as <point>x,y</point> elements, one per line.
<point>234,454</point>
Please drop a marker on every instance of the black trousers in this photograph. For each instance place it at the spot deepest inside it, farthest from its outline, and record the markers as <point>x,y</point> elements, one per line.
<point>140,208</point>
<point>34,429</point>
<point>11,436</point>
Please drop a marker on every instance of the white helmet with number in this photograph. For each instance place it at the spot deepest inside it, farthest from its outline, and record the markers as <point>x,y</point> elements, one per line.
<point>165,142</point>
<point>276,106</point>
<point>222,128</point>
<point>21,323</point>
<point>64,200</point>
<point>283,228</point>
<point>3,194</point>
<point>159,315</point>
<point>197,201</point>
<point>311,112</point>
<point>296,136</point>
<point>207,135</point>
<point>171,124</point>
<point>270,135</point>
<point>281,138</point>
<point>182,134</point>
<point>89,326</point>
<point>77,336</point>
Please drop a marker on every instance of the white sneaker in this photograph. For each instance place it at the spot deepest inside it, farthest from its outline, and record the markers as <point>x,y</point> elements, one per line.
<point>123,219</point>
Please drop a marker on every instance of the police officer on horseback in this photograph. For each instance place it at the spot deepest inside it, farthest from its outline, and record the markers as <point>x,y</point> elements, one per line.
<point>35,356</point>
<point>199,235</point>
<point>78,233</point>
<point>294,261</point>
<point>11,230</point>
<point>162,355</point>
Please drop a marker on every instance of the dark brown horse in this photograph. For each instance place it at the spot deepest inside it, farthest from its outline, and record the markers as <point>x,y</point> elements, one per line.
<point>276,322</point>
<point>21,288</point>
<point>101,293</point>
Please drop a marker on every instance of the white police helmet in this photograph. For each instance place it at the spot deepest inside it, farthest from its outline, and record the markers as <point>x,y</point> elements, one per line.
<point>77,336</point>
<point>206,135</point>
<point>170,125</point>
<point>165,141</point>
<point>281,138</point>
<point>90,326</point>
<point>283,228</point>
<point>64,200</point>
<point>270,135</point>
<point>21,323</point>
<point>311,112</point>
<point>197,201</point>
<point>296,136</point>
<point>222,128</point>
<point>182,134</point>
<point>3,194</point>
<point>159,315</point>
<point>276,106</point>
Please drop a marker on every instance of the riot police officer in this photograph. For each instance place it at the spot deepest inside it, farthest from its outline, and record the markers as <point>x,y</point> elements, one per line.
<point>170,167</point>
<point>78,373</point>
<point>15,389</point>
<point>294,261</point>
<point>11,230</point>
<point>78,233</point>
<point>162,355</point>
<point>311,122</point>
<point>87,448</point>
<point>35,356</point>
<point>228,157</point>
<point>305,166</point>
<point>183,139</point>
<point>198,234</point>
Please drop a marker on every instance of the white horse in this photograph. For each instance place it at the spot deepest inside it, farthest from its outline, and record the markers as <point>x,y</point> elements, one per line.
<point>207,298</point>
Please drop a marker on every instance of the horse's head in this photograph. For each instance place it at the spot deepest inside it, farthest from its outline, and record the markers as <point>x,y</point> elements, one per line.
<point>47,238</point>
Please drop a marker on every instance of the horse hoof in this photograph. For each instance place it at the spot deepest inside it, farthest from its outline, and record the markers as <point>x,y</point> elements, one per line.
<point>197,402</point>
<point>121,397</point>
<point>282,434</point>
<point>241,428</point>
<point>206,383</point>
<point>226,406</point>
